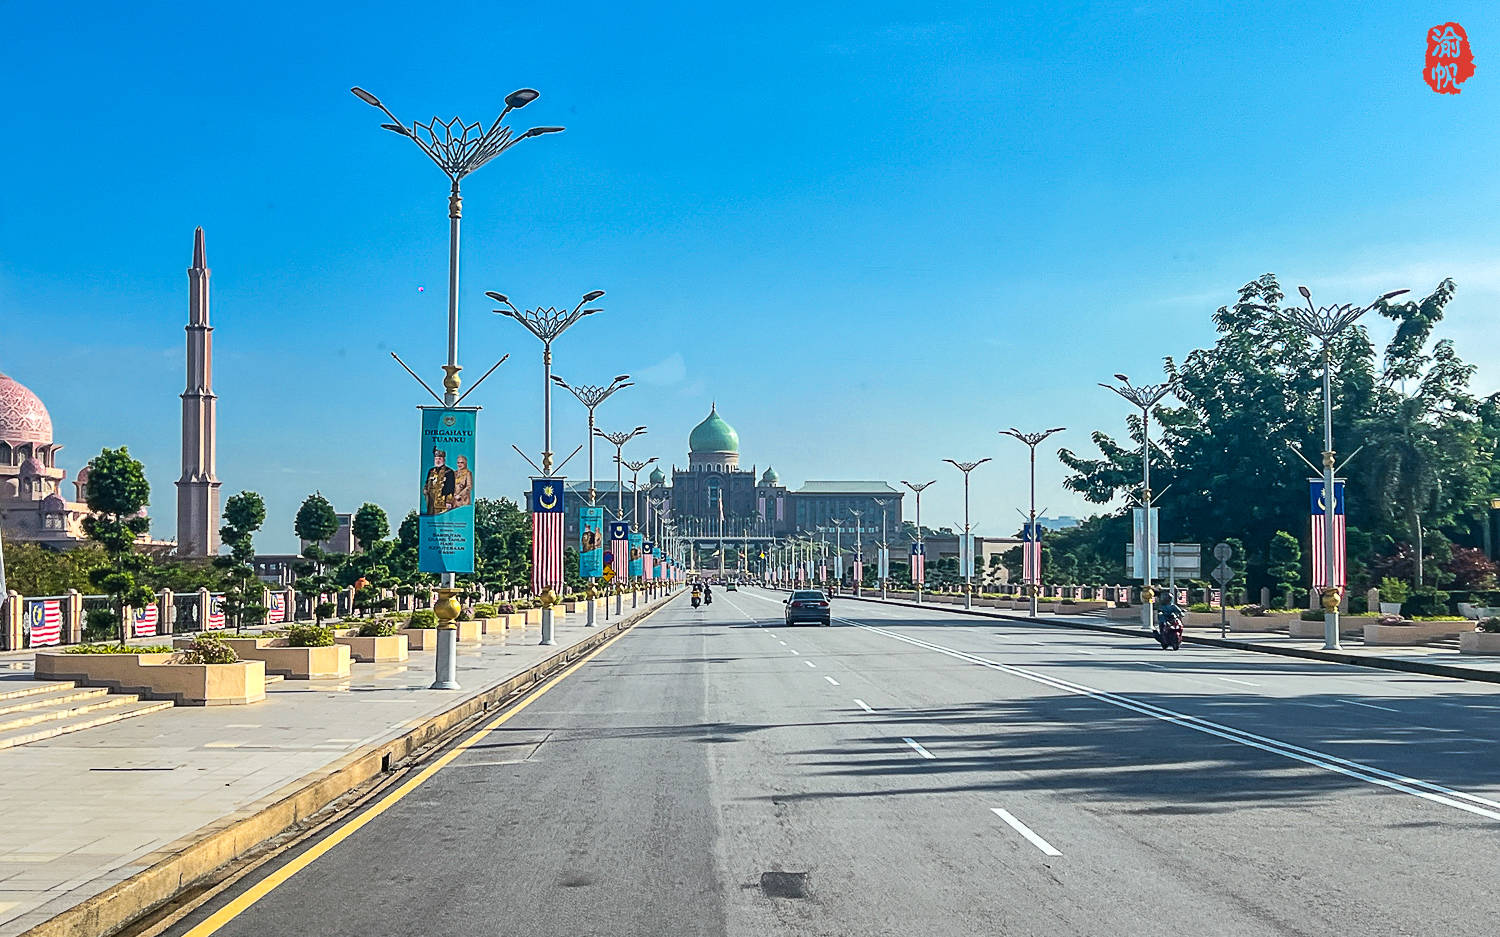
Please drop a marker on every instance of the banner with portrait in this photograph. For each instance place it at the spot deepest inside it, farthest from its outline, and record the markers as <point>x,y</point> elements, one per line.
<point>637,566</point>
<point>591,541</point>
<point>445,513</point>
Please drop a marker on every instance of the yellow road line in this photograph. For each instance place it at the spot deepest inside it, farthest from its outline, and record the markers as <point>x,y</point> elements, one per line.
<point>265,886</point>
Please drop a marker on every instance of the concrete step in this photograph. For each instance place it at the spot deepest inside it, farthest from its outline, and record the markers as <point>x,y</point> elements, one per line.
<point>53,695</point>
<point>75,722</point>
<point>24,685</point>
<point>65,710</point>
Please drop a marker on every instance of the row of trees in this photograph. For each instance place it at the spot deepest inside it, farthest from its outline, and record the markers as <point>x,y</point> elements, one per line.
<point>1417,493</point>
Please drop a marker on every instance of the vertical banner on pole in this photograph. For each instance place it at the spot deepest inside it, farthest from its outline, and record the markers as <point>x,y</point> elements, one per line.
<point>619,547</point>
<point>547,513</point>
<point>445,522</point>
<point>966,555</point>
<point>918,563</point>
<point>1145,537</point>
<point>1031,552</point>
<point>591,541</point>
<point>883,562</point>
<point>1320,577</point>
<point>637,567</point>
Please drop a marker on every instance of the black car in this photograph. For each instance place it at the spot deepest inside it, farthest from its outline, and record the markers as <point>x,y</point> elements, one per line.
<point>809,606</point>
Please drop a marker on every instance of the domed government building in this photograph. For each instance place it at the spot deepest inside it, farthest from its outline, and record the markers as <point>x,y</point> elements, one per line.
<point>34,503</point>
<point>713,497</point>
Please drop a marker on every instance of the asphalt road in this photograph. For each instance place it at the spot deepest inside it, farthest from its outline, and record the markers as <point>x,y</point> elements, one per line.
<point>913,772</point>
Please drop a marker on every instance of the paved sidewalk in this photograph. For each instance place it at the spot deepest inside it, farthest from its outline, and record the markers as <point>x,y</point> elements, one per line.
<point>1436,660</point>
<point>83,812</point>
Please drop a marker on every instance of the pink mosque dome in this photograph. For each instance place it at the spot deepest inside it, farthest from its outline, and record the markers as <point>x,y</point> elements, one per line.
<point>23,418</point>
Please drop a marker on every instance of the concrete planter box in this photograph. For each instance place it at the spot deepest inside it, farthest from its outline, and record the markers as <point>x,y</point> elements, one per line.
<point>1297,628</point>
<point>513,622</point>
<point>1204,619</point>
<point>420,639</point>
<point>294,663</point>
<point>468,631</point>
<point>1479,642</point>
<point>1080,606</point>
<point>1127,613</point>
<point>1412,632</point>
<point>533,617</point>
<point>376,650</point>
<point>151,676</point>
<point>571,607</point>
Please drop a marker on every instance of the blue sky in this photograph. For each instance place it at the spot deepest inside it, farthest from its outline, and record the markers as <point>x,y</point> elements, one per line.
<point>875,233</point>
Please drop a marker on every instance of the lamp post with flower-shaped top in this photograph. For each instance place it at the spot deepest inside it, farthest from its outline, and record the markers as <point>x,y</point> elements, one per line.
<point>1031,543</point>
<point>1144,397</point>
<point>1324,323</point>
<point>458,149</point>
<point>635,512</point>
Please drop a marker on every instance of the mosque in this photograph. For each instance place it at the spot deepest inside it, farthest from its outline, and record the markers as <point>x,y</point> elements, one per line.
<point>34,505</point>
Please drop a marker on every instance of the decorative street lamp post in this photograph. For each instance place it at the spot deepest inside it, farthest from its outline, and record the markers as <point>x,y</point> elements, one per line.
<point>635,515</point>
<point>619,440</point>
<point>458,149</point>
<point>1145,397</point>
<point>859,551</point>
<point>1325,324</point>
<point>546,324</point>
<point>1033,574</point>
<point>885,547</point>
<point>591,396</point>
<point>920,546</point>
<point>966,549</point>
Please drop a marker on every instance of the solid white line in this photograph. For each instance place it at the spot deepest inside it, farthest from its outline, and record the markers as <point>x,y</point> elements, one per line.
<point>1025,831</point>
<point>809,663</point>
<point>1416,787</point>
<point>1353,702</point>
<point>863,705</point>
<point>831,680</point>
<point>1241,682</point>
<point>919,749</point>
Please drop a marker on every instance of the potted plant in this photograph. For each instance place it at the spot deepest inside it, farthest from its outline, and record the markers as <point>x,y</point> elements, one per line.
<point>1392,593</point>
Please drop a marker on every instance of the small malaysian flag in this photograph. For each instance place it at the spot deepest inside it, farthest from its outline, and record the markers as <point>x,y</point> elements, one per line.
<point>1031,552</point>
<point>1320,577</point>
<point>919,563</point>
<point>619,548</point>
<point>215,613</point>
<point>547,517</point>
<point>44,622</point>
<point>646,560</point>
<point>276,612</point>
<point>144,624</point>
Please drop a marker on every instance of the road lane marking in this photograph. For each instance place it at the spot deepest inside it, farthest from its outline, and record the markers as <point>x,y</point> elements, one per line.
<point>212,924</point>
<point>809,663</point>
<point>794,651</point>
<point>1416,787</point>
<point>1025,831</point>
<point>919,749</point>
<point>1353,702</point>
<point>863,705</point>
<point>1241,682</point>
<point>781,642</point>
<point>830,680</point>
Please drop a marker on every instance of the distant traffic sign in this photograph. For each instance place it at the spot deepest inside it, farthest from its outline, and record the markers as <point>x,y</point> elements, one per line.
<point>609,573</point>
<point>1223,552</point>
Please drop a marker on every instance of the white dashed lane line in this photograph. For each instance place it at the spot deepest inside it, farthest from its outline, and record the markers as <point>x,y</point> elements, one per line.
<point>863,705</point>
<point>1025,831</point>
<point>831,680</point>
<point>809,663</point>
<point>919,749</point>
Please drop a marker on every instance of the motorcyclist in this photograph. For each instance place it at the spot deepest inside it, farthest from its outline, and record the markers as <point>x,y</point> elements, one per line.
<point>708,593</point>
<point>1167,613</point>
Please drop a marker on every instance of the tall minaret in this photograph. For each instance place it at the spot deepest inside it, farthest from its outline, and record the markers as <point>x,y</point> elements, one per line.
<point>198,488</point>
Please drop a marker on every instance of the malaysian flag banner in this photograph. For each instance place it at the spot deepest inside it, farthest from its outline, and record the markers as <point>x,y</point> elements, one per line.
<point>760,506</point>
<point>637,562</point>
<point>1320,577</point>
<point>276,608</point>
<point>42,622</point>
<point>547,516</point>
<point>1031,552</point>
<point>144,622</point>
<point>822,571</point>
<point>215,613</point>
<point>648,562</point>
<point>619,548</point>
<point>918,563</point>
<point>591,541</point>
<point>445,519</point>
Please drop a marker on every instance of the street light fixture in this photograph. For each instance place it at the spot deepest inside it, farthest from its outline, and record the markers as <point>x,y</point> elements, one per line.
<point>1325,324</point>
<point>920,546</point>
<point>859,551</point>
<point>1144,397</point>
<point>619,440</point>
<point>1033,574</point>
<point>546,324</point>
<point>458,150</point>
<point>967,547</point>
<point>885,547</point>
<point>591,396</point>
<point>635,511</point>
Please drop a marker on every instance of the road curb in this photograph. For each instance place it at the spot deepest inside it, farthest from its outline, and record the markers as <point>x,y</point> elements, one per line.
<point>187,861</point>
<point>1332,657</point>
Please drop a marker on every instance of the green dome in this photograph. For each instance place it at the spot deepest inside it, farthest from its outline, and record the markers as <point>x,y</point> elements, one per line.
<point>657,477</point>
<point>770,477</point>
<point>713,435</point>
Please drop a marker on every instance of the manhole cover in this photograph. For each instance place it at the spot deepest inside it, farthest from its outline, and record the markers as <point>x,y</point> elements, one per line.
<point>783,884</point>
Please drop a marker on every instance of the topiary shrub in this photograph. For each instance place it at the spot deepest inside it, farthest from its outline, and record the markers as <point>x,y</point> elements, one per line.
<point>118,649</point>
<point>101,624</point>
<point>423,618</point>
<point>377,629</point>
<point>485,610</point>
<point>324,611</point>
<point>466,613</point>
<point>1200,607</point>
<point>1426,600</point>
<point>506,608</point>
<point>309,636</point>
<point>208,648</point>
<point>1313,614</point>
<point>1253,610</point>
<point>1489,624</point>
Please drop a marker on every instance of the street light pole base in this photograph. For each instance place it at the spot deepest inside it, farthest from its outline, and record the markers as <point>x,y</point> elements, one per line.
<point>591,611</point>
<point>548,638</point>
<point>446,677</point>
<point>1331,632</point>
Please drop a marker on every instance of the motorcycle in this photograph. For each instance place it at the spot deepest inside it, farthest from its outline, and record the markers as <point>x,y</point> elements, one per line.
<point>697,600</point>
<point>1169,631</point>
<point>708,598</point>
